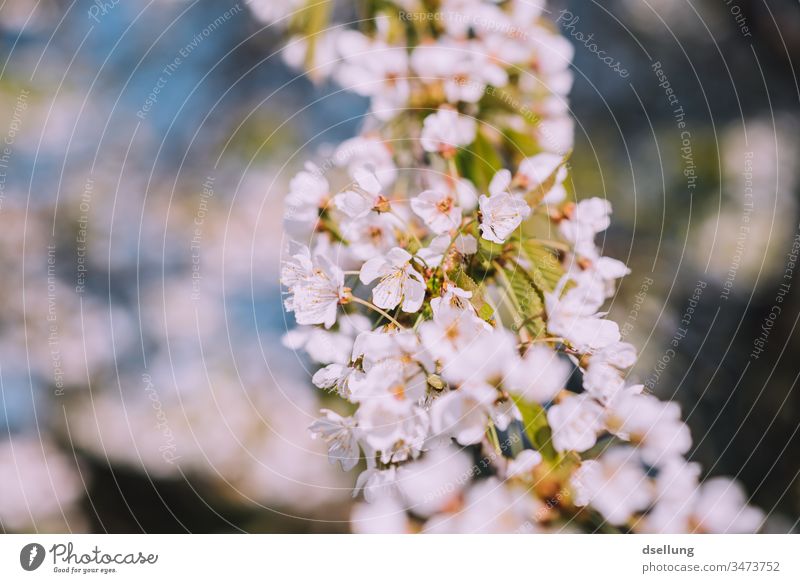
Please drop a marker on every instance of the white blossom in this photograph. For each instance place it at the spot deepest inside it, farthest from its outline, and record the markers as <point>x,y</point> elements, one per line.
<point>654,425</point>
<point>438,209</point>
<point>575,422</point>
<point>522,465</point>
<point>315,291</point>
<point>540,375</point>
<point>502,212</point>
<point>339,433</point>
<point>399,282</point>
<point>375,69</point>
<point>489,507</point>
<point>446,130</point>
<point>308,193</point>
<point>589,217</point>
<point>364,198</point>
<point>464,414</point>
<point>368,152</point>
<point>615,485</point>
<point>395,427</point>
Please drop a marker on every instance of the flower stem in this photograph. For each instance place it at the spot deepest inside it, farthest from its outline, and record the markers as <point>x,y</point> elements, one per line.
<point>552,244</point>
<point>375,308</point>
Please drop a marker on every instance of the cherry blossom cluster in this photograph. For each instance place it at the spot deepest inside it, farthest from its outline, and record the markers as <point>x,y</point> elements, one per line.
<point>451,289</point>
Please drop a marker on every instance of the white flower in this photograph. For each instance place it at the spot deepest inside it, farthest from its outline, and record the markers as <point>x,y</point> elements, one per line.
<point>453,297</point>
<point>602,380</point>
<point>574,318</point>
<point>377,484</point>
<point>598,273</point>
<point>339,433</point>
<point>384,516</point>
<point>435,480</point>
<point>308,193</point>
<point>676,486</point>
<point>371,235</point>
<point>535,172</point>
<point>485,357</point>
<point>367,152</point>
<point>522,465</point>
<point>654,425</point>
<point>465,69</point>
<point>374,69</point>
<point>489,507</point>
<point>540,375</point>
<point>315,291</point>
<point>575,422</point>
<point>589,217</point>
<point>585,334</point>
<point>393,344</point>
<point>446,130</point>
<point>615,485</point>
<point>296,268</point>
<point>399,281</point>
<point>721,507</point>
<point>394,427</point>
<point>451,331</point>
<point>463,190</point>
<point>460,17</point>
<point>603,377</point>
<point>434,253</point>
<point>337,377</point>
<point>438,209</point>
<point>464,414</point>
<point>537,169</point>
<point>401,379</point>
<point>328,346</point>
<point>363,199</point>
<point>502,212</point>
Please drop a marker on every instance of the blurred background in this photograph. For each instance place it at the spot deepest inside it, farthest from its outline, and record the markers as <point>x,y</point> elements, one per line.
<point>146,150</point>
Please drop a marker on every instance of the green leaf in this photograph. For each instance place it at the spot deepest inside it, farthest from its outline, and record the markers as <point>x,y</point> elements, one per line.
<point>526,299</point>
<point>521,144</point>
<point>485,312</point>
<point>462,279</point>
<point>479,162</point>
<point>544,269</point>
<point>534,418</point>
